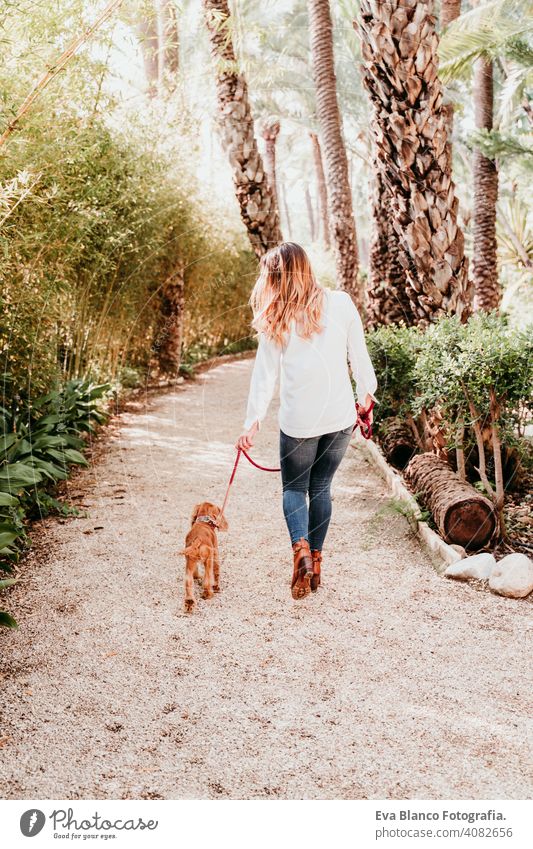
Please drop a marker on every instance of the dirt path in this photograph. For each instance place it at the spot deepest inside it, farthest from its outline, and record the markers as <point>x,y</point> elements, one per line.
<point>392,683</point>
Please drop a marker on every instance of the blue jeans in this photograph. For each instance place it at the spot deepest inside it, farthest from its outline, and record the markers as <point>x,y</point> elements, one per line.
<point>307,468</point>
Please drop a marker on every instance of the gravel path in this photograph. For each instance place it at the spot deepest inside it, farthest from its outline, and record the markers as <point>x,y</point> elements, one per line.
<point>391,683</point>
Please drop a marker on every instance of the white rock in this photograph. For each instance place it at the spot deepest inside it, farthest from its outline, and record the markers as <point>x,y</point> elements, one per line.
<point>459,549</point>
<point>478,566</point>
<point>513,576</point>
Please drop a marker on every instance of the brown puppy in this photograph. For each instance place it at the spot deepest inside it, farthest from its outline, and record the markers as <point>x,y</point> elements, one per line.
<point>201,546</point>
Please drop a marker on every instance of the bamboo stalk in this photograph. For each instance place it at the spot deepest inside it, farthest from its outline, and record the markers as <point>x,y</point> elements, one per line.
<point>61,63</point>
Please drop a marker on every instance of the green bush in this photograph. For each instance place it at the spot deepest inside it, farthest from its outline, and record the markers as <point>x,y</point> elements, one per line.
<point>474,381</point>
<point>40,441</point>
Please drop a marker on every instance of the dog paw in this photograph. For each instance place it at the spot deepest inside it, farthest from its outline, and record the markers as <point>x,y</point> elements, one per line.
<point>216,588</point>
<point>207,594</point>
<point>189,605</point>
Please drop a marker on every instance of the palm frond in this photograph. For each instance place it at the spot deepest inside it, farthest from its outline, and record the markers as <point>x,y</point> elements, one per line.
<point>495,145</point>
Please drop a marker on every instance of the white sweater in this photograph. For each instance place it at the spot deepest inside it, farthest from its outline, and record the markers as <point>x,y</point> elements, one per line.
<point>316,395</point>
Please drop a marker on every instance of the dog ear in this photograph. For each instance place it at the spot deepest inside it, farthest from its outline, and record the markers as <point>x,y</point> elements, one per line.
<point>221,521</point>
<point>195,512</point>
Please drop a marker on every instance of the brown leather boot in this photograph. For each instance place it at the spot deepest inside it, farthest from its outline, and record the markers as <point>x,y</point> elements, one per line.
<point>303,569</point>
<point>317,562</point>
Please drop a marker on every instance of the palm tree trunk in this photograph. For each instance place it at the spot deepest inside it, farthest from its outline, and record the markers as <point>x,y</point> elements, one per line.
<point>342,223</point>
<point>485,173</point>
<point>388,302</point>
<point>399,48</point>
<point>449,11</point>
<point>169,338</point>
<point>270,134</point>
<point>322,189</point>
<point>259,210</point>
<point>288,225</point>
<point>310,213</point>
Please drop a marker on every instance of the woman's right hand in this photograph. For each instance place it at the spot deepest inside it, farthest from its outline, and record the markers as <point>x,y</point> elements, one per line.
<point>246,439</point>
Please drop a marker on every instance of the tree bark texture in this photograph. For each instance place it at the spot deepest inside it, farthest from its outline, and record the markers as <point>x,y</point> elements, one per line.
<point>462,515</point>
<point>270,133</point>
<point>256,199</point>
<point>288,224</point>
<point>310,213</point>
<point>169,338</point>
<point>399,49</point>
<point>398,442</point>
<point>342,222</point>
<point>387,298</point>
<point>485,173</point>
<point>449,11</point>
<point>322,189</point>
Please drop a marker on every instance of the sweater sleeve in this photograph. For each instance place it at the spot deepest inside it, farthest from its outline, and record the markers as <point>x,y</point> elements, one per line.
<point>360,362</point>
<point>264,377</point>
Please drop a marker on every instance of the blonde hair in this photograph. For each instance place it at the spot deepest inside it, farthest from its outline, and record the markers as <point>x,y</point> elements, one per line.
<point>286,290</point>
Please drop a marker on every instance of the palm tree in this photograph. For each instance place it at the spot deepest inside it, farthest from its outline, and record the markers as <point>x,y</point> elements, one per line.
<point>342,223</point>
<point>449,11</point>
<point>322,189</point>
<point>270,133</point>
<point>485,179</point>
<point>399,49</point>
<point>259,210</point>
<point>387,298</point>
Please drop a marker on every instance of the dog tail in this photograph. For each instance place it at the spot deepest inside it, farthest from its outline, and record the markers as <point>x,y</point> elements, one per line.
<point>192,550</point>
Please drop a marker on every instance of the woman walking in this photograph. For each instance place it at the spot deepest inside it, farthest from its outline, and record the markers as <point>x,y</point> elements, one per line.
<point>307,334</point>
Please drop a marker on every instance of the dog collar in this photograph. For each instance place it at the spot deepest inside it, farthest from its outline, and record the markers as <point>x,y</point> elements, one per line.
<point>208,519</point>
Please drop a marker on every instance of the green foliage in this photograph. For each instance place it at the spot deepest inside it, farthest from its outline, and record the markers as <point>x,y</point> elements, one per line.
<point>458,362</point>
<point>393,350</point>
<point>41,440</point>
<point>496,145</point>
<point>502,28</point>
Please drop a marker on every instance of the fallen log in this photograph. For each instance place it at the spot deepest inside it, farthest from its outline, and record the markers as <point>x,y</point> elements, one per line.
<point>462,514</point>
<point>398,442</point>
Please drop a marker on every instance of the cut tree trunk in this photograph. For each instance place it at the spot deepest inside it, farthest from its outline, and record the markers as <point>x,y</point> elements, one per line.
<point>462,515</point>
<point>169,338</point>
<point>342,223</point>
<point>270,133</point>
<point>398,442</point>
<point>485,173</point>
<point>259,210</point>
<point>399,48</point>
<point>322,190</point>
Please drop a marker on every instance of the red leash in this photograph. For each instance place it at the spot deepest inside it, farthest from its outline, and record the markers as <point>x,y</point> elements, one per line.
<point>232,478</point>
<point>362,420</point>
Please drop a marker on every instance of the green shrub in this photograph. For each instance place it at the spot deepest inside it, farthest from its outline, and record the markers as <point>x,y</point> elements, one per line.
<point>40,441</point>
